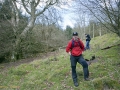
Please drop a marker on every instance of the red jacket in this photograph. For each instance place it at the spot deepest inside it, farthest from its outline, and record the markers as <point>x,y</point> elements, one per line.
<point>77,49</point>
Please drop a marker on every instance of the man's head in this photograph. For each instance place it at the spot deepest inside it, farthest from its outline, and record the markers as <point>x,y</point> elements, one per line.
<point>75,35</point>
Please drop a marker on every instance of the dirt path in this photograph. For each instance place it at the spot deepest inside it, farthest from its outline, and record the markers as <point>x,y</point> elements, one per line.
<point>5,66</point>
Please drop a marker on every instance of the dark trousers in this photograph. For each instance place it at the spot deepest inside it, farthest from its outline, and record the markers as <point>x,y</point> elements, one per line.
<point>80,60</point>
<point>87,45</point>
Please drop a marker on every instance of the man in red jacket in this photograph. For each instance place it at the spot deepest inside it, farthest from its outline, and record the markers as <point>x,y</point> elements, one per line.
<point>75,48</point>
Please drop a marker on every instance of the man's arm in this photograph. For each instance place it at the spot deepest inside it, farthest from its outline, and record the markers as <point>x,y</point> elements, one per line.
<point>68,47</point>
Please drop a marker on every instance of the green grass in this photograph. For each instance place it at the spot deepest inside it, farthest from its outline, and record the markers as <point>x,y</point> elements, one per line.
<point>54,73</point>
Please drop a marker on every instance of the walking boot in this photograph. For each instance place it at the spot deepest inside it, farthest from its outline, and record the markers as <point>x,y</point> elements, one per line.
<point>76,83</point>
<point>87,79</point>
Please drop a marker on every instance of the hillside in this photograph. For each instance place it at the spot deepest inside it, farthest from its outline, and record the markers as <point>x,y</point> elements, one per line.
<point>54,73</point>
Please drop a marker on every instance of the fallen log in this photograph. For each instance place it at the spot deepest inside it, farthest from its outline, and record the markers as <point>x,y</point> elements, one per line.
<point>110,47</point>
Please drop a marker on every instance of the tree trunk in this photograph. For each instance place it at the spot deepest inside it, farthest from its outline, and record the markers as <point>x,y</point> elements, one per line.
<point>89,30</point>
<point>17,49</point>
<point>100,30</point>
<point>93,30</point>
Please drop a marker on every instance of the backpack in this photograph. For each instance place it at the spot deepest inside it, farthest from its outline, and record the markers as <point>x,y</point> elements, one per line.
<point>73,44</point>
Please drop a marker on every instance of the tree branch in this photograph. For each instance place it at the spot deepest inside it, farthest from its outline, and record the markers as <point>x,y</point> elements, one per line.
<point>25,7</point>
<point>17,12</point>
<point>37,3</point>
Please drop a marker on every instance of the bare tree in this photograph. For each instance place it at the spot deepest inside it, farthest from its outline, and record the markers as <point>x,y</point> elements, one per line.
<point>106,11</point>
<point>34,8</point>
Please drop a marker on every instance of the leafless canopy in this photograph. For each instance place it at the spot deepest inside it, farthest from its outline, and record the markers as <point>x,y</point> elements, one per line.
<point>106,11</point>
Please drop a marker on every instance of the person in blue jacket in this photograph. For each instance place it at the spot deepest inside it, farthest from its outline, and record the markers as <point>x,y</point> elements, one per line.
<point>87,41</point>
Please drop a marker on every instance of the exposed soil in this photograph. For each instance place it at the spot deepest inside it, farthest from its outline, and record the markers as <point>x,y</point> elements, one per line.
<point>5,66</point>
<point>93,61</point>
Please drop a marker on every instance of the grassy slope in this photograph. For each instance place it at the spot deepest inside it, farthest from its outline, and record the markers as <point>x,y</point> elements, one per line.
<point>55,73</point>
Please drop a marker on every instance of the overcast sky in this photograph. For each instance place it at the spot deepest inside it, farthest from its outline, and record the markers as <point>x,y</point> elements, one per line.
<point>68,20</point>
<point>67,16</point>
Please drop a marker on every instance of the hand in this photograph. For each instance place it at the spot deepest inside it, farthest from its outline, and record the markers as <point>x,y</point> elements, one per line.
<point>69,53</point>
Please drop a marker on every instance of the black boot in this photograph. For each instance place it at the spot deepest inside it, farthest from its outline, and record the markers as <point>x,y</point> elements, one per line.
<point>87,79</point>
<point>76,83</point>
